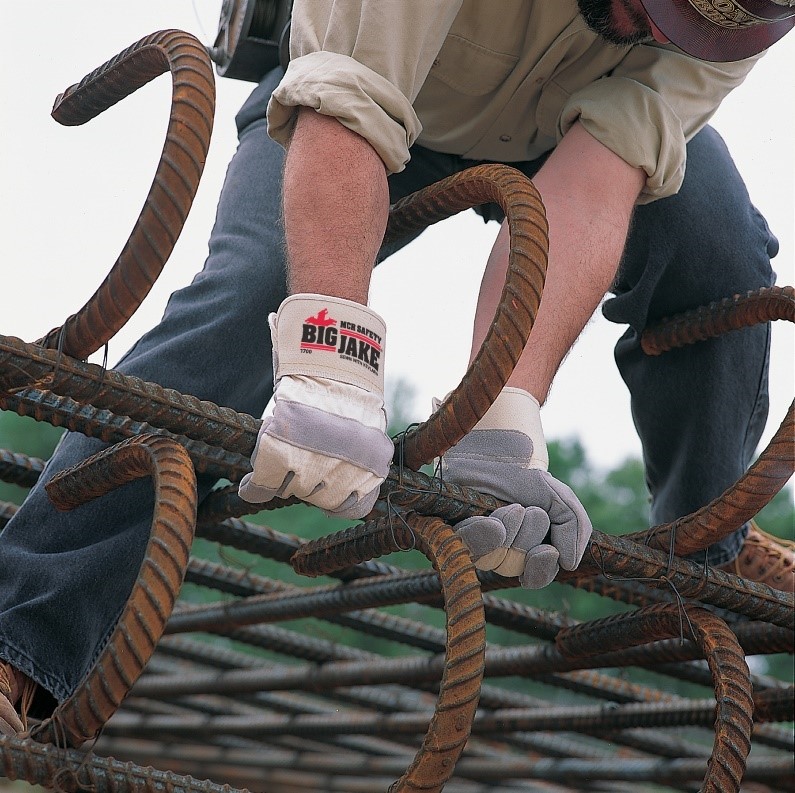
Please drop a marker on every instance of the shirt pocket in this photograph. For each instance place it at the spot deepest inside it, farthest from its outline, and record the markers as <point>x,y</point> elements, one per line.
<point>471,69</point>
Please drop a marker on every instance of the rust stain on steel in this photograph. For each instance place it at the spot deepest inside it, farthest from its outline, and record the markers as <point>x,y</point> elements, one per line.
<point>466,628</point>
<point>175,183</point>
<point>25,365</point>
<point>715,319</point>
<point>737,505</point>
<point>726,660</point>
<point>69,770</point>
<point>19,469</point>
<point>155,591</point>
<point>521,295</point>
<point>61,411</point>
<point>774,466</point>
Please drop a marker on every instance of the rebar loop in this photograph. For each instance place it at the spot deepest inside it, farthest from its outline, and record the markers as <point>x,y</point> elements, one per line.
<point>466,628</point>
<point>176,180</point>
<point>80,717</point>
<point>71,771</point>
<point>774,466</point>
<point>515,314</point>
<point>726,660</point>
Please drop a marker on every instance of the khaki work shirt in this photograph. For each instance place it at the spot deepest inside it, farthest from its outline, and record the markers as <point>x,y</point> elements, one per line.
<point>499,80</point>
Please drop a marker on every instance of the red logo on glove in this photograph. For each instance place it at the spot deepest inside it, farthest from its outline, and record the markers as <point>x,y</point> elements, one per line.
<point>352,342</point>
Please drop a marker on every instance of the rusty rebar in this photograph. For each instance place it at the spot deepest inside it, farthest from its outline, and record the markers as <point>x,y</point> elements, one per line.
<point>176,179</point>
<point>731,678</point>
<point>763,769</point>
<point>459,689</point>
<point>731,313</point>
<point>71,771</point>
<point>29,365</point>
<point>774,466</point>
<point>513,319</point>
<point>19,469</point>
<point>61,411</point>
<point>143,619</point>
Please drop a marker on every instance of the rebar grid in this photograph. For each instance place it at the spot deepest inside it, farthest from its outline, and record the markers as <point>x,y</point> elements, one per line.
<point>299,711</point>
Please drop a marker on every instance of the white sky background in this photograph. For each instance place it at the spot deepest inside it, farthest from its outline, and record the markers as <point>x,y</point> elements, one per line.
<point>70,197</point>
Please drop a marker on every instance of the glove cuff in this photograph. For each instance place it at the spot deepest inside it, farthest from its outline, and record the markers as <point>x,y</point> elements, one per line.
<point>331,338</point>
<point>518,410</point>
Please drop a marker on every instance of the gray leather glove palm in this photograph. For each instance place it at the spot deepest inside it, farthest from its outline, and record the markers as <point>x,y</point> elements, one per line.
<point>545,527</point>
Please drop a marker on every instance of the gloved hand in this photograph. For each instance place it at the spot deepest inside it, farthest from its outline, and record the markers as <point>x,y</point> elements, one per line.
<point>326,440</point>
<point>545,527</point>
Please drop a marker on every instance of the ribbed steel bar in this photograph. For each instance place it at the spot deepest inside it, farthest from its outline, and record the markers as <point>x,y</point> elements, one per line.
<point>140,626</point>
<point>388,699</point>
<point>775,704</point>
<point>732,313</point>
<point>500,661</point>
<point>219,759</point>
<point>29,365</point>
<point>19,469</point>
<point>466,645</point>
<point>737,505</point>
<point>774,466</point>
<point>699,713</point>
<point>112,428</point>
<point>731,678</point>
<point>755,638</point>
<point>350,746</point>
<point>648,741</point>
<point>763,769</point>
<point>301,704</point>
<point>175,183</point>
<point>521,295</point>
<point>620,556</point>
<point>21,365</point>
<point>463,670</point>
<point>69,770</point>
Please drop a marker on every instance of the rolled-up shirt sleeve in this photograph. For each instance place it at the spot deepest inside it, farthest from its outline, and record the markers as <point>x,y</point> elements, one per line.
<point>647,109</point>
<point>363,62</point>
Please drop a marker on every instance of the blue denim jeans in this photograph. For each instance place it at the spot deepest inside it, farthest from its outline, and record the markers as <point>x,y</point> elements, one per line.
<point>699,411</point>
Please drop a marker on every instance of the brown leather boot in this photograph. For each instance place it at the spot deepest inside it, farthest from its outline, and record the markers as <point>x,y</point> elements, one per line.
<point>766,559</point>
<point>14,687</point>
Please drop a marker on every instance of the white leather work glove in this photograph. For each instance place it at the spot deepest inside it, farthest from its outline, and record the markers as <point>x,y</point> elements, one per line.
<point>326,441</point>
<point>544,527</point>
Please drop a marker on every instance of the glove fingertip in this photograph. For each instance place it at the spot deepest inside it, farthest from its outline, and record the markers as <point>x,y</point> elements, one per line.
<point>253,493</point>
<point>354,507</point>
<point>541,567</point>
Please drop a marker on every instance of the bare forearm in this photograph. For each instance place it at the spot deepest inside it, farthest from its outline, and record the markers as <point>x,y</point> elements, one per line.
<point>589,195</point>
<point>336,204</point>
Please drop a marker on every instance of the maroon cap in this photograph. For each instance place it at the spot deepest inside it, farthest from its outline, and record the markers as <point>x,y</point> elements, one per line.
<point>722,30</point>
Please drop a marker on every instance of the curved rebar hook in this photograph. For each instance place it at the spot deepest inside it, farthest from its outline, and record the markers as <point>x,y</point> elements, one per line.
<point>516,312</point>
<point>774,466</point>
<point>465,648</point>
<point>725,658</point>
<point>151,601</point>
<point>174,186</point>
